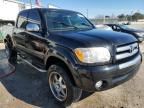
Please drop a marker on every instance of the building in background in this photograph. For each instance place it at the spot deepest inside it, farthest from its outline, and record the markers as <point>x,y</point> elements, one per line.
<point>52,6</point>
<point>10,8</point>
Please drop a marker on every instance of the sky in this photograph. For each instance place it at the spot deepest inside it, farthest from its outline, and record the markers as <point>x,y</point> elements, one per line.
<point>99,7</point>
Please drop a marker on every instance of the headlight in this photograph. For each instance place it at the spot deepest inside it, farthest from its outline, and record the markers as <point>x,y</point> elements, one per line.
<point>93,55</point>
<point>140,34</point>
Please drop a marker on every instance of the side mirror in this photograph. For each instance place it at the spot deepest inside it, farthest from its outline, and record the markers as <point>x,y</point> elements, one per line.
<point>118,29</point>
<point>32,27</point>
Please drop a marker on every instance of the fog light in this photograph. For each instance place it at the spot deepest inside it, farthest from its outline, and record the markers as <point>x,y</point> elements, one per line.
<point>98,84</point>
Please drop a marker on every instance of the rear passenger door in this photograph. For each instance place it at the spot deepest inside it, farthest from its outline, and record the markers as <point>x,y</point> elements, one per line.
<point>19,31</point>
<point>35,41</point>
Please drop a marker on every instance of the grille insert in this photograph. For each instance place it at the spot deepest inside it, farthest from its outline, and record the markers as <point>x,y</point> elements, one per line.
<point>126,51</point>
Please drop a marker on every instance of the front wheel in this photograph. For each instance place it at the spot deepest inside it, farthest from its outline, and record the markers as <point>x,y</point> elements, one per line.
<point>61,85</point>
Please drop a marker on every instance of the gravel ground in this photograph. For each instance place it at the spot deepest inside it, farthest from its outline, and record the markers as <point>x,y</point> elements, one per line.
<point>27,88</point>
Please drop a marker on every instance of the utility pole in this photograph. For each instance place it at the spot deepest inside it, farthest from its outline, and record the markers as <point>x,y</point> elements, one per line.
<point>104,19</point>
<point>87,13</point>
<point>31,4</point>
<point>131,16</point>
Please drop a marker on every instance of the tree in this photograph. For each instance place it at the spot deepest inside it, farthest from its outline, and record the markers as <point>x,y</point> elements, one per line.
<point>129,17</point>
<point>121,17</point>
<point>137,16</point>
<point>133,17</point>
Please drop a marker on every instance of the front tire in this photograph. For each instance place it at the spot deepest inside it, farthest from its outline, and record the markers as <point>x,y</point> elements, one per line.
<point>60,85</point>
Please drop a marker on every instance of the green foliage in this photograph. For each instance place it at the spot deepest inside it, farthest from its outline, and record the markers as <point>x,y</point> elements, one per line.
<point>129,17</point>
<point>1,36</point>
<point>136,16</point>
<point>121,17</point>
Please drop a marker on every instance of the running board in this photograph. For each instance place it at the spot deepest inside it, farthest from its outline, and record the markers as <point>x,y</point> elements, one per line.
<point>40,70</point>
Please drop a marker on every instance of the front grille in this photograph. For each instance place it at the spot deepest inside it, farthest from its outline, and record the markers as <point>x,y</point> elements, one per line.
<point>126,51</point>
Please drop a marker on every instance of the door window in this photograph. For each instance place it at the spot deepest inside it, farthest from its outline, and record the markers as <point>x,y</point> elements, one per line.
<point>22,19</point>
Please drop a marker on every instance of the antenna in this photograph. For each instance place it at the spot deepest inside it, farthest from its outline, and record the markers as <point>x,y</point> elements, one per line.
<point>87,12</point>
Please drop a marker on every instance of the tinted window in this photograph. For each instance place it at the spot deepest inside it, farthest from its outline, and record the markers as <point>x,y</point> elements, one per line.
<point>21,22</point>
<point>34,15</point>
<point>22,19</point>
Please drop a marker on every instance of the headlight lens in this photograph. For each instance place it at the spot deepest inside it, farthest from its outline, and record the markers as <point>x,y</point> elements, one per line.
<point>93,55</point>
<point>140,34</point>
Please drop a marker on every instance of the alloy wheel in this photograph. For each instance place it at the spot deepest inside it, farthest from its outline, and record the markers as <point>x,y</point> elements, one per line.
<point>58,86</point>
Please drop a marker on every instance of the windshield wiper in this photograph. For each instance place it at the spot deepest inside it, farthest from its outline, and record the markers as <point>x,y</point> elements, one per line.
<point>66,24</point>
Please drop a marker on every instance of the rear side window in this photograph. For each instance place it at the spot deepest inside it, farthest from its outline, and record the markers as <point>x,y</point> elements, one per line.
<point>34,16</point>
<point>21,22</point>
<point>22,19</point>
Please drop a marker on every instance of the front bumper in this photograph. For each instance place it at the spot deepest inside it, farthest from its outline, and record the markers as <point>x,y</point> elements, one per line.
<point>111,75</point>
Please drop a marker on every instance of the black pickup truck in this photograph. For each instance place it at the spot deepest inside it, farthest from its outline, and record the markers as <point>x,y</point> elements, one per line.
<point>76,56</point>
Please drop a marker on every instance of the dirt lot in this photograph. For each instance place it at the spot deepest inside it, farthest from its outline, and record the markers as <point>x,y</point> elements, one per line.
<point>27,88</point>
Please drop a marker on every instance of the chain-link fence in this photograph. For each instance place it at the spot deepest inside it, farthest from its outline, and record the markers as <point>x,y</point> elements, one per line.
<point>104,21</point>
<point>4,30</point>
<point>1,34</point>
<point>6,27</point>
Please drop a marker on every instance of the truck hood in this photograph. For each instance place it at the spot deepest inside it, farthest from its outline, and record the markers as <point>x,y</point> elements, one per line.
<point>94,38</point>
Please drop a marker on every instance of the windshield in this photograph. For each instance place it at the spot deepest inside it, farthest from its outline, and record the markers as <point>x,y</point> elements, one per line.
<point>65,20</point>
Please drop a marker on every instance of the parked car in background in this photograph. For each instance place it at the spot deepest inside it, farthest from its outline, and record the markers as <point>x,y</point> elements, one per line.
<point>139,34</point>
<point>103,27</point>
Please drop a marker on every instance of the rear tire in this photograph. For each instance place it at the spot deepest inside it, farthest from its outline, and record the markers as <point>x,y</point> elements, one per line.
<point>10,53</point>
<point>58,80</point>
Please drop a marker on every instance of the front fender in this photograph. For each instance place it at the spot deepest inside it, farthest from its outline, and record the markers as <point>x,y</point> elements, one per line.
<point>67,56</point>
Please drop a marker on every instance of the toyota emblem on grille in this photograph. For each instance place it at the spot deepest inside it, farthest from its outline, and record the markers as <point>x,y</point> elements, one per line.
<point>131,49</point>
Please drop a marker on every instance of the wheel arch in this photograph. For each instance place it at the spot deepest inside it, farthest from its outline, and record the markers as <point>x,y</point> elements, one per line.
<point>55,60</point>
<point>7,38</point>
